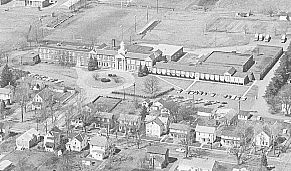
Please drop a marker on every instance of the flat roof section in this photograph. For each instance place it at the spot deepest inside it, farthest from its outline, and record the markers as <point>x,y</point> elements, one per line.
<point>228,58</point>
<point>168,50</point>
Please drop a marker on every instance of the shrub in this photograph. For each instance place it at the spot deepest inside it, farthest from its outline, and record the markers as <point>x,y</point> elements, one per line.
<point>105,80</point>
<point>96,76</point>
<point>109,75</point>
<point>114,75</point>
<point>140,75</point>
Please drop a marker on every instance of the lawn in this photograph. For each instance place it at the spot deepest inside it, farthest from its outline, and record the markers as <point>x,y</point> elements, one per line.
<point>106,104</point>
<point>179,82</point>
<point>125,106</point>
<point>139,88</point>
<point>97,83</point>
<point>67,74</point>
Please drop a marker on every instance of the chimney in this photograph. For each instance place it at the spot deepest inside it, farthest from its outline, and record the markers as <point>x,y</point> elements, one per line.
<point>113,43</point>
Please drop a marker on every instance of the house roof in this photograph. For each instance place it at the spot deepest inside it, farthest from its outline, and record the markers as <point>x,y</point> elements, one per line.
<point>5,164</point>
<point>44,93</point>
<point>128,117</point>
<point>226,113</point>
<point>98,141</point>
<point>9,86</point>
<point>5,91</point>
<point>204,109</point>
<point>156,120</point>
<point>179,126</point>
<point>80,137</point>
<point>205,129</point>
<point>28,135</point>
<point>56,129</point>
<point>168,50</point>
<point>230,131</point>
<point>104,115</point>
<point>139,49</point>
<point>244,113</point>
<point>157,150</point>
<point>49,144</point>
<point>186,164</point>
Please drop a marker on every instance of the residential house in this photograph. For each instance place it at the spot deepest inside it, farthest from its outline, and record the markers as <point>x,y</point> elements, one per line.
<point>196,164</point>
<point>37,3</point>
<point>263,139</point>
<point>244,115</point>
<point>179,132</point>
<point>6,94</point>
<point>27,139</point>
<point>159,156</point>
<point>157,105</point>
<point>2,2</point>
<point>30,58</point>
<point>284,16</point>
<point>77,123</point>
<point>6,165</point>
<point>229,136</point>
<point>52,138</point>
<point>146,103</point>
<point>154,126</point>
<point>128,122</point>
<point>104,120</point>
<point>226,117</point>
<point>203,111</point>
<point>205,134</point>
<point>39,99</point>
<point>77,142</point>
<point>99,147</point>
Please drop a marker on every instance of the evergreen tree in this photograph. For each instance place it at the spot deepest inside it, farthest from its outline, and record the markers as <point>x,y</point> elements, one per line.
<point>6,77</point>
<point>143,113</point>
<point>145,70</point>
<point>2,108</point>
<point>264,161</point>
<point>95,63</point>
<point>91,65</point>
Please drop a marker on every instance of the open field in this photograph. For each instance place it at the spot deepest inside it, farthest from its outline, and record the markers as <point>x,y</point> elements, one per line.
<point>67,74</point>
<point>179,82</point>
<point>106,104</point>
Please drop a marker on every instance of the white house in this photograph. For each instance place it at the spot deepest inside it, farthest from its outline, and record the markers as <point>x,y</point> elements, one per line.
<point>49,142</point>
<point>263,139</point>
<point>205,134</point>
<point>229,136</point>
<point>98,147</point>
<point>196,164</point>
<point>284,16</point>
<point>179,131</point>
<point>77,142</point>
<point>39,98</point>
<point>5,94</point>
<point>244,115</point>
<point>27,139</point>
<point>154,126</point>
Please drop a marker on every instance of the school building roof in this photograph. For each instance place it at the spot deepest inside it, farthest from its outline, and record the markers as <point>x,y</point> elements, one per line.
<point>229,58</point>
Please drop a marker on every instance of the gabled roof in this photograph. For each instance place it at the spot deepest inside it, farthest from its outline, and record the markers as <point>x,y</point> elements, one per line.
<point>205,109</point>
<point>80,137</point>
<point>100,141</point>
<point>44,93</point>
<point>179,126</point>
<point>205,129</point>
<point>157,150</point>
<point>5,91</point>
<point>127,117</point>
<point>186,164</point>
<point>244,113</point>
<point>56,129</point>
<point>104,115</point>
<point>230,131</point>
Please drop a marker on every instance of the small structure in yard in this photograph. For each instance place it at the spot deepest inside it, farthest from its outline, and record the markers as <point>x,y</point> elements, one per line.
<point>226,116</point>
<point>244,115</point>
<point>5,165</point>
<point>284,16</point>
<point>30,58</point>
<point>159,156</point>
<point>261,37</point>
<point>77,142</point>
<point>196,164</point>
<point>283,38</point>
<point>27,139</point>
<point>205,134</point>
<point>267,38</point>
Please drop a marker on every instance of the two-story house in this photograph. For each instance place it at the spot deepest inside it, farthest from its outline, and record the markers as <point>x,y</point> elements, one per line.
<point>179,132</point>
<point>5,95</point>
<point>104,120</point>
<point>77,142</point>
<point>99,147</point>
<point>205,134</point>
<point>154,126</point>
<point>40,97</point>
<point>230,137</point>
<point>128,123</point>
<point>225,117</point>
<point>52,139</point>
<point>159,156</point>
<point>263,139</point>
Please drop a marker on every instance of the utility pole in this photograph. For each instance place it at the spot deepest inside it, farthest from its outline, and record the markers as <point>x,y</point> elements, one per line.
<point>135,23</point>
<point>121,32</point>
<point>157,6</point>
<point>147,13</point>
<point>123,93</point>
<point>134,92</point>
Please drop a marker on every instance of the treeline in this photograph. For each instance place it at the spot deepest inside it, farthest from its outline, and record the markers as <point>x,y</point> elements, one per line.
<point>282,75</point>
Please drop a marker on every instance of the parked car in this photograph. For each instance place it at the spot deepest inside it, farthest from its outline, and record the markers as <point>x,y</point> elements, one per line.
<point>207,103</point>
<point>220,106</point>
<point>225,96</point>
<point>244,98</point>
<point>213,94</point>
<point>223,102</point>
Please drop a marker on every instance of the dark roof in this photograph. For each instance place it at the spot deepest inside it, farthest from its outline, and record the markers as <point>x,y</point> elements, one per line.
<point>106,51</point>
<point>49,145</point>
<point>44,93</point>
<point>56,129</point>
<point>204,109</point>
<point>179,126</point>
<point>229,58</point>
<point>80,137</point>
<point>244,113</point>
<point>68,47</point>
<point>157,150</point>
<point>230,131</point>
<point>139,49</point>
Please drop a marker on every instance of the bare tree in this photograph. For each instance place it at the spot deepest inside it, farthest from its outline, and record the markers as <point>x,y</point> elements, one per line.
<point>22,96</point>
<point>246,134</point>
<point>151,85</point>
<point>285,98</point>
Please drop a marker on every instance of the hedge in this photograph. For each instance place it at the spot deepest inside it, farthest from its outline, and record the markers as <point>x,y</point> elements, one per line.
<point>146,96</point>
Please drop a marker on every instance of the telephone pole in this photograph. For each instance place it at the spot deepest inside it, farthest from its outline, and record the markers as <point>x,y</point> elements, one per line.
<point>157,6</point>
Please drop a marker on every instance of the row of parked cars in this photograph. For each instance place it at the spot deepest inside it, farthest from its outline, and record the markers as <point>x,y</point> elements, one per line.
<point>45,78</point>
<point>235,97</point>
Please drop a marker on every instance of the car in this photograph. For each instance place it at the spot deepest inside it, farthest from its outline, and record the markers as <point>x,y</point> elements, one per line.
<point>199,99</point>
<point>179,91</point>
<point>191,92</point>
<point>205,93</point>
<point>207,103</point>
<point>233,97</point>
<point>220,106</point>
<point>243,98</point>
<point>223,102</point>
<point>181,150</point>
<point>225,96</point>
<point>229,96</point>
<point>212,94</point>
<point>237,98</point>
<point>201,92</point>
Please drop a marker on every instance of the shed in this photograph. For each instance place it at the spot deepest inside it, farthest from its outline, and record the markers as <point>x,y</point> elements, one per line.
<point>5,164</point>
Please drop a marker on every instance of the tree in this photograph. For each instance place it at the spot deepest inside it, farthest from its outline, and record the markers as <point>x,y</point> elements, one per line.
<point>95,63</point>
<point>173,107</point>
<point>264,160</point>
<point>22,95</point>
<point>2,108</point>
<point>245,133</point>
<point>6,77</point>
<point>186,113</point>
<point>284,98</point>
<point>145,70</point>
<point>140,71</point>
<point>143,113</point>
<point>91,65</point>
<point>151,85</point>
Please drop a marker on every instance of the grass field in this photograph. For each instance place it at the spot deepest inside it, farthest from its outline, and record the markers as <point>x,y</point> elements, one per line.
<point>67,74</point>
<point>105,104</point>
<point>180,82</point>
